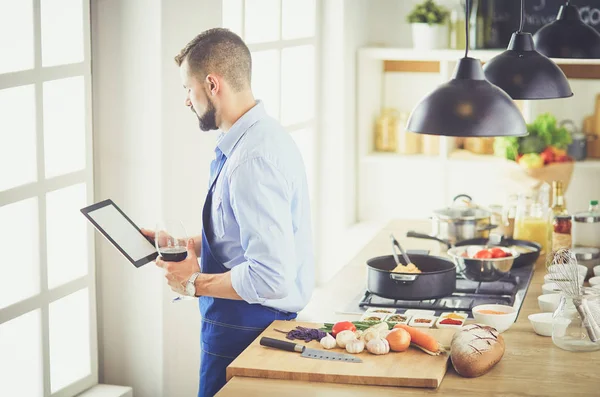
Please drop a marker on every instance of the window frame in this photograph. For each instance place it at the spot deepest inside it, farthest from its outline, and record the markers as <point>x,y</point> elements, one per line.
<point>38,189</point>
<point>279,45</point>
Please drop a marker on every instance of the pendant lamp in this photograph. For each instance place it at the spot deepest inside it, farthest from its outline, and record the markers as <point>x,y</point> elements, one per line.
<point>468,105</point>
<point>524,73</point>
<point>568,36</point>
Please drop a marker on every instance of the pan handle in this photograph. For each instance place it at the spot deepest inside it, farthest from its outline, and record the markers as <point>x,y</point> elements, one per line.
<point>403,278</point>
<point>486,227</point>
<point>428,237</point>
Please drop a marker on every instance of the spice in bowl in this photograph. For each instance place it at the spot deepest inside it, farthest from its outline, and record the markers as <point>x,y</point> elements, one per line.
<point>422,321</point>
<point>451,321</point>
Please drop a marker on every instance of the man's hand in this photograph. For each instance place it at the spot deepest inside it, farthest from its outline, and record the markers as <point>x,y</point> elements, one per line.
<point>178,273</point>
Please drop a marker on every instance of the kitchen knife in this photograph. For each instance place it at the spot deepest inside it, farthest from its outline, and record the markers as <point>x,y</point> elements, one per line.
<point>307,352</point>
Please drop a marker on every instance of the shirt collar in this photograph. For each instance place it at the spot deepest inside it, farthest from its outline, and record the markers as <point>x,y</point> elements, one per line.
<point>227,141</point>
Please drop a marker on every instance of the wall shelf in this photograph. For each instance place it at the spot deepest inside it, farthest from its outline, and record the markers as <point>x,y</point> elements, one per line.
<point>411,186</point>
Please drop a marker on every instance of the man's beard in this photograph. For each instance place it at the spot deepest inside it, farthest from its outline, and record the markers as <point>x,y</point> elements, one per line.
<point>208,121</point>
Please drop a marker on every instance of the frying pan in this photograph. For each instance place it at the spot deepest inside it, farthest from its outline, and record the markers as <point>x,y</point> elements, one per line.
<point>436,280</point>
<point>525,259</point>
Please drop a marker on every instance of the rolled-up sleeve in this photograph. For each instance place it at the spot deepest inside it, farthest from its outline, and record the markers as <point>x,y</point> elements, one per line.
<point>260,199</point>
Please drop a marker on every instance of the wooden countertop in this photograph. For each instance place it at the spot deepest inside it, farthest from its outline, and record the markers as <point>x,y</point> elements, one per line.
<point>531,366</point>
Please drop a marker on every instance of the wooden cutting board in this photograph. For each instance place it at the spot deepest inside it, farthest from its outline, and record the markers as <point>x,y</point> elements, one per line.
<point>412,368</point>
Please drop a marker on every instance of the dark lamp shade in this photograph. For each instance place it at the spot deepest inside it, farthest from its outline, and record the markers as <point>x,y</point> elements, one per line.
<point>467,106</point>
<point>524,73</point>
<point>568,37</point>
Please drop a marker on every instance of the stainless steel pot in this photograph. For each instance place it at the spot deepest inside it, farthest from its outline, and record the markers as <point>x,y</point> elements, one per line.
<point>456,224</point>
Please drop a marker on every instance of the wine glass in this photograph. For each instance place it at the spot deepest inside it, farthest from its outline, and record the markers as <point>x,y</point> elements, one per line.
<point>171,243</point>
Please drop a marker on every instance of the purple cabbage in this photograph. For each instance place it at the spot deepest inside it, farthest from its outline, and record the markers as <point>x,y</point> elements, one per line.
<point>306,334</point>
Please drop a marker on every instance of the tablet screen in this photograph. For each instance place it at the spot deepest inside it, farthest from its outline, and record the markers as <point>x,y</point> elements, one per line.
<point>114,225</point>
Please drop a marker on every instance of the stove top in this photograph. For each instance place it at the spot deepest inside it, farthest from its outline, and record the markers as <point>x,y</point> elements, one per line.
<point>508,291</point>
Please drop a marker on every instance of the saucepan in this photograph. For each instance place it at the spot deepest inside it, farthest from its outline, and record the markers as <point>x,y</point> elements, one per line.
<point>436,280</point>
<point>529,251</point>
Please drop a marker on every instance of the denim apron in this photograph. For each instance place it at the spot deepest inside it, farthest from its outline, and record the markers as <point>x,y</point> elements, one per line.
<point>228,326</point>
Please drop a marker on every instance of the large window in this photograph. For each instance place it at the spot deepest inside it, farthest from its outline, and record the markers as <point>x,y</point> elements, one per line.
<point>282,36</point>
<point>47,295</point>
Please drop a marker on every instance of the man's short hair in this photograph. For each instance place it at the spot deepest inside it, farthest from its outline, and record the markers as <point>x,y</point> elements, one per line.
<point>221,52</point>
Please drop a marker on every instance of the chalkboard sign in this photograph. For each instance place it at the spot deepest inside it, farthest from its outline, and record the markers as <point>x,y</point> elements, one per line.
<point>504,17</point>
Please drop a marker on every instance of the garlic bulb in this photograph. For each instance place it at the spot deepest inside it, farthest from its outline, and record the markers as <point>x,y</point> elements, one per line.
<point>378,346</point>
<point>328,342</point>
<point>358,334</point>
<point>355,346</point>
<point>370,334</point>
<point>344,337</point>
<point>382,326</point>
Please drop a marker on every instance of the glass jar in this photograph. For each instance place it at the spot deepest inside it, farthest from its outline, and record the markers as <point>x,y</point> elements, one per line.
<point>386,132</point>
<point>561,232</point>
<point>569,332</point>
<point>532,222</point>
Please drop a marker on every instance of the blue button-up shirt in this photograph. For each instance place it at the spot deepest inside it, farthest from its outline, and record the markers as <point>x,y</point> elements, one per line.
<point>260,214</point>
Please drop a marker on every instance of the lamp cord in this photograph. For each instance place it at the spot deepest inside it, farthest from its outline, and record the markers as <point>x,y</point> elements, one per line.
<point>467,22</point>
<point>522,16</point>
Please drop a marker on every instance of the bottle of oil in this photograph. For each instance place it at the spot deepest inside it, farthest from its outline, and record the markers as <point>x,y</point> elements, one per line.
<point>559,206</point>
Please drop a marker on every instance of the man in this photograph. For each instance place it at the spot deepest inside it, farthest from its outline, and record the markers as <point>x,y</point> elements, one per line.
<point>256,255</point>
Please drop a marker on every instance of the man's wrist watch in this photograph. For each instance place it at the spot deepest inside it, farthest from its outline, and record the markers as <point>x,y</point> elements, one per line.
<point>190,286</point>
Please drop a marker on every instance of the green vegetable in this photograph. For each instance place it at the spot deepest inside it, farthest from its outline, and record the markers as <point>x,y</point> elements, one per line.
<point>532,144</point>
<point>360,325</point>
<point>543,132</point>
<point>507,147</point>
<point>428,12</point>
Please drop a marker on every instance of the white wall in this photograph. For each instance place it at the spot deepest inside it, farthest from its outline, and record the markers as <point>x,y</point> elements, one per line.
<point>152,160</point>
<point>386,21</point>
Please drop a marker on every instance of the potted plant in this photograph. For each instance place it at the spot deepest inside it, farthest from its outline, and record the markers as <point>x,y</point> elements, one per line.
<point>429,28</point>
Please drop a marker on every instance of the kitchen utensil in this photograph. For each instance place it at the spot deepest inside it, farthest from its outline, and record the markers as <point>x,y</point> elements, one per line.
<point>564,266</point>
<point>411,368</point>
<point>529,251</point>
<point>476,269</point>
<point>578,147</point>
<point>501,322</point>
<point>400,268</point>
<point>586,227</point>
<point>436,280</point>
<point>458,223</point>
<point>588,257</point>
<point>575,321</point>
<point>307,352</point>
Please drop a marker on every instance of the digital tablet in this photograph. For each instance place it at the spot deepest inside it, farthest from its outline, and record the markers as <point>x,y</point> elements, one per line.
<point>109,220</point>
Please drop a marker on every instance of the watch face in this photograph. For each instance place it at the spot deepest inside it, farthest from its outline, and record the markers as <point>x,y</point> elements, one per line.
<point>190,289</point>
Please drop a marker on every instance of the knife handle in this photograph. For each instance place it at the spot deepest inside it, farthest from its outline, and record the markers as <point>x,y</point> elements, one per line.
<point>281,344</point>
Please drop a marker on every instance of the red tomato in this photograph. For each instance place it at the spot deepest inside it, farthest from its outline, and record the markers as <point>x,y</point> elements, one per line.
<point>342,326</point>
<point>498,253</point>
<point>483,254</point>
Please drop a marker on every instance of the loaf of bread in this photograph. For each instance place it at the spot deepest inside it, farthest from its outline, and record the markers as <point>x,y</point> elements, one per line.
<point>475,349</point>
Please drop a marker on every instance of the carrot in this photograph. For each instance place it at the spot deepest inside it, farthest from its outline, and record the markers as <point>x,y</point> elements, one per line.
<point>422,340</point>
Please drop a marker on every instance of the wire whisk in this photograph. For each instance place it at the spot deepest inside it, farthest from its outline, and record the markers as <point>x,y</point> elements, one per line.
<point>564,272</point>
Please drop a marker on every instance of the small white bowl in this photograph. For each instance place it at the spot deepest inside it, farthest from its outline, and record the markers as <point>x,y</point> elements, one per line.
<point>594,281</point>
<point>558,269</point>
<point>549,302</point>
<point>541,323</point>
<point>597,271</point>
<point>501,322</point>
<point>550,288</point>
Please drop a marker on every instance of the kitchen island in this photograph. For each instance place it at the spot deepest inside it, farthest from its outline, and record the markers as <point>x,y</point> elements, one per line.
<point>532,365</point>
